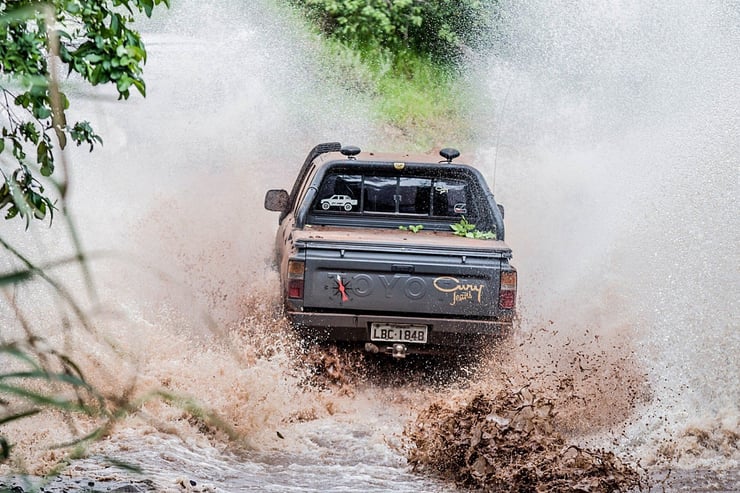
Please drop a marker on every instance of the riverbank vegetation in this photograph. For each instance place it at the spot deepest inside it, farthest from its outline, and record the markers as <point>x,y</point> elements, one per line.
<point>407,56</point>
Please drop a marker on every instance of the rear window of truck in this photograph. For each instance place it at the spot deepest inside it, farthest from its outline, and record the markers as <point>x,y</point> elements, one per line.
<point>407,197</point>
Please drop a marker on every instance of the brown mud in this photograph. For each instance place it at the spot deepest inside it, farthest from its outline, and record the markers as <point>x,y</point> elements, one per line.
<point>513,417</point>
<point>508,442</point>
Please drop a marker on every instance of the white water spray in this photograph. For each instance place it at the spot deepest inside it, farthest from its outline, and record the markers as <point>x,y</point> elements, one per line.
<point>619,161</point>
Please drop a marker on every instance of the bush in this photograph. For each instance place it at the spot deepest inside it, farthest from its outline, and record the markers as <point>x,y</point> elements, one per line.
<point>440,28</point>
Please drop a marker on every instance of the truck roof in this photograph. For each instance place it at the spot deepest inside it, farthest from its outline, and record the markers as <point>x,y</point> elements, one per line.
<point>386,157</point>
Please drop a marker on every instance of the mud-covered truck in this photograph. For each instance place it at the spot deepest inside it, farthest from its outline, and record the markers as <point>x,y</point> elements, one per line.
<point>400,254</point>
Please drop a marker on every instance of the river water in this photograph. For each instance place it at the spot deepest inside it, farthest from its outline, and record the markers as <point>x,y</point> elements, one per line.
<point>609,131</point>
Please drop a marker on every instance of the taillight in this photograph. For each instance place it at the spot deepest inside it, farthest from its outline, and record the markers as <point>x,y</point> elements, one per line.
<point>295,288</point>
<point>507,290</point>
<point>296,270</point>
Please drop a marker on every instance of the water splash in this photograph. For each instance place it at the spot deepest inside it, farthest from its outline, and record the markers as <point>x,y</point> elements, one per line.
<point>172,203</point>
<point>615,148</point>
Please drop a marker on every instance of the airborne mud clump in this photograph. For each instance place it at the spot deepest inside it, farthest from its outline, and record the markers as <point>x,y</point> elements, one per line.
<point>331,368</point>
<point>509,442</point>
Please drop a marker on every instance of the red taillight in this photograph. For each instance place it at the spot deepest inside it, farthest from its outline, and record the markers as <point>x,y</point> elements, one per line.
<point>296,270</point>
<point>507,290</point>
<point>295,288</point>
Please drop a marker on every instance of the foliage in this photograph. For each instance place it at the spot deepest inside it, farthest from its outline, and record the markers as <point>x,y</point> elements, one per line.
<point>91,38</point>
<point>425,99</point>
<point>422,102</point>
<point>440,28</point>
<point>412,83</point>
<point>45,380</point>
<point>38,42</point>
<point>467,229</point>
<point>412,228</point>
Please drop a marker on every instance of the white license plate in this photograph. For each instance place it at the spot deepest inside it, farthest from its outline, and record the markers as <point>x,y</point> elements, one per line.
<point>398,333</point>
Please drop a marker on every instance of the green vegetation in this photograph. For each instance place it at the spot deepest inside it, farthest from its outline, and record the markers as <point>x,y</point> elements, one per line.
<point>406,55</point>
<point>38,40</point>
<point>439,28</point>
<point>467,229</point>
<point>411,227</point>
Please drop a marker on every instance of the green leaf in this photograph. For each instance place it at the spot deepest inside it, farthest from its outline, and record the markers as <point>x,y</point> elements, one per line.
<point>42,112</point>
<point>21,415</point>
<point>13,351</point>
<point>15,277</point>
<point>139,84</point>
<point>126,466</point>
<point>467,229</point>
<point>19,201</point>
<point>12,212</point>
<point>115,23</point>
<point>148,6</point>
<point>4,448</point>
<point>93,435</point>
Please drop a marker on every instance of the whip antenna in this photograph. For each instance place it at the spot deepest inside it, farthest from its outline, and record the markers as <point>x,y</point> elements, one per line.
<point>498,135</point>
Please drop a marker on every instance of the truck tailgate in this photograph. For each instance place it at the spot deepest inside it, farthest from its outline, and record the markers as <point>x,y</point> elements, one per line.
<point>395,273</point>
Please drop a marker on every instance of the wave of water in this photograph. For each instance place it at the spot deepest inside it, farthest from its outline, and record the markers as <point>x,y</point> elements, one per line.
<point>614,149</point>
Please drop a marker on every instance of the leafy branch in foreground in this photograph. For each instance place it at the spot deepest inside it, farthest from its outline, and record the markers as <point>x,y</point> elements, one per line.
<point>91,38</point>
<point>44,380</point>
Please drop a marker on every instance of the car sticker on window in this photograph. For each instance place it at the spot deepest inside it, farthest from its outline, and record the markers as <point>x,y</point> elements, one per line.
<point>343,202</point>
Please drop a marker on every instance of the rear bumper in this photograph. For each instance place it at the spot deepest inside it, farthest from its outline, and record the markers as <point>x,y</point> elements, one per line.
<point>351,328</point>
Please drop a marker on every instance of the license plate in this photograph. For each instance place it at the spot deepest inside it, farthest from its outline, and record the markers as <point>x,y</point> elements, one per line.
<point>398,333</point>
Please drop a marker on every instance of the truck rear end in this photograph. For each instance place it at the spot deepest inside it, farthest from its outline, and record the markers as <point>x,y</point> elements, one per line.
<point>398,292</point>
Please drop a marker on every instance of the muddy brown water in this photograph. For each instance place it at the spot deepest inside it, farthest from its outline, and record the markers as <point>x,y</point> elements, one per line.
<point>608,131</point>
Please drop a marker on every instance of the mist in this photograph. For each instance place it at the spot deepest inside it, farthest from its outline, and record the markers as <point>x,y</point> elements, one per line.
<point>614,147</point>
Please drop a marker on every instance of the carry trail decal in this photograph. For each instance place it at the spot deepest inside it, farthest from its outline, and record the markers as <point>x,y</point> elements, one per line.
<point>460,291</point>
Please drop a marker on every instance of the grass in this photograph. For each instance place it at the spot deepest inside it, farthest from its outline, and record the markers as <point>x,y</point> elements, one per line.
<point>422,103</point>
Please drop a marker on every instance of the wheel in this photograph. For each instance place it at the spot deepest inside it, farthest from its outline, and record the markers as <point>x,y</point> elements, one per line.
<point>348,207</point>
<point>325,206</point>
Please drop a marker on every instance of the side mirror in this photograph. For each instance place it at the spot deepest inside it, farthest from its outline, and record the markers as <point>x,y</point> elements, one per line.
<point>501,210</point>
<point>277,200</point>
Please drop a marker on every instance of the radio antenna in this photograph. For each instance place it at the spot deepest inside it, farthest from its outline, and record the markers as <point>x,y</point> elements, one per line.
<point>498,134</point>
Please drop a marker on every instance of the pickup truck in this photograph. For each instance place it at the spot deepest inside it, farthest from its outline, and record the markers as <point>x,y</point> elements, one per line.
<point>408,258</point>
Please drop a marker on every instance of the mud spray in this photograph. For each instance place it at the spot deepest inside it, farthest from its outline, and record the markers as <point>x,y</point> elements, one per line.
<point>615,149</point>
<point>610,132</point>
